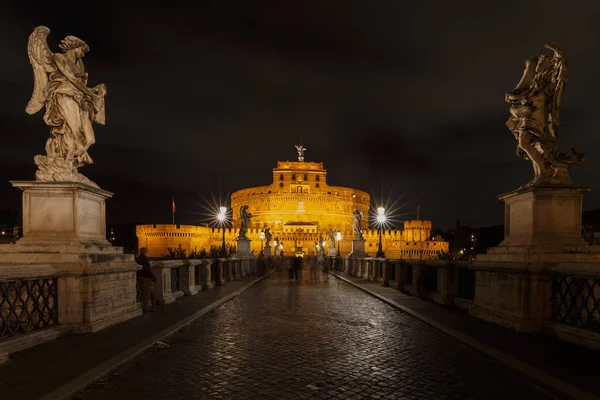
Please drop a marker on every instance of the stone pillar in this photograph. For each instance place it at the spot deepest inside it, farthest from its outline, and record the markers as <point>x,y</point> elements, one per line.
<point>243,249</point>
<point>267,251</point>
<point>358,249</point>
<point>63,213</point>
<point>331,251</point>
<point>386,272</point>
<point>188,278</point>
<point>64,227</point>
<point>543,224</point>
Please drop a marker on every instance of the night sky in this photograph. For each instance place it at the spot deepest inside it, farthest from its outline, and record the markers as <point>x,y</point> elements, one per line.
<point>210,95</point>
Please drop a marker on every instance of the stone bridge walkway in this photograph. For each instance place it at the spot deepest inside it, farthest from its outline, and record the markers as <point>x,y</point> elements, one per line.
<point>306,339</point>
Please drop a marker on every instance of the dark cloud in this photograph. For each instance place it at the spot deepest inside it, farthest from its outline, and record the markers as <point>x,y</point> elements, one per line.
<point>411,96</point>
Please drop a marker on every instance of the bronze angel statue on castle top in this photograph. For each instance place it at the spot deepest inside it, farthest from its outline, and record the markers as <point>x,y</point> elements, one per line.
<point>60,84</point>
<point>535,117</point>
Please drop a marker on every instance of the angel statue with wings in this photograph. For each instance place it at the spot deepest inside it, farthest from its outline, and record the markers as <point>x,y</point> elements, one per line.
<point>331,238</point>
<point>60,84</point>
<point>268,237</point>
<point>535,117</point>
<point>245,217</point>
<point>356,222</point>
<point>300,149</point>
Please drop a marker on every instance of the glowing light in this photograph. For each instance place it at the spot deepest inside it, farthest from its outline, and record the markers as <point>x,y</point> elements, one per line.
<point>262,235</point>
<point>222,214</point>
<point>275,243</point>
<point>381,218</point>
<point>324,243</point>
<point>339,235</point>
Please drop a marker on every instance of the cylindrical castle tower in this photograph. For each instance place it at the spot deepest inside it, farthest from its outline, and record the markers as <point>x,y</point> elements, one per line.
<point>300,202</point>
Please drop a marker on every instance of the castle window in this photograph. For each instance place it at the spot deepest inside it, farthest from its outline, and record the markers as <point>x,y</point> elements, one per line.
<point>293,177</point>
<point>317,185</point>
<point>318,178</point>
<point>299,189</point>
<point>305,177</point>
<point>281,185</point>
<point>280,177</point>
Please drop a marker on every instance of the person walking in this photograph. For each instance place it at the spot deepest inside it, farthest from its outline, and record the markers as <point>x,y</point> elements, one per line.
<point>146,279</point>
<point>314,266</point>
<point>296,265</point>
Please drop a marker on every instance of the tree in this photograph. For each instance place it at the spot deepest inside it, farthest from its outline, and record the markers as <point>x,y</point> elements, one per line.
<point>178,253</point>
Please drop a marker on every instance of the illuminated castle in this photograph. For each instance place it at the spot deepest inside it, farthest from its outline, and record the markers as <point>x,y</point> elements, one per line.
<point>298,207</point>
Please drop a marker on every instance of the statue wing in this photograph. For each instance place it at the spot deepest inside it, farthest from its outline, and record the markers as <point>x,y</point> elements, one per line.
<point>559,81</point>
<point>40,58</point>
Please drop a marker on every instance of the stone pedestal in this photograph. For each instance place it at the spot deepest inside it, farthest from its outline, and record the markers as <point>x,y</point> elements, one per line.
<point>513,296</point>
<point>542,228</point>
<point>267,251</point>
<point>358,249</point>
<point>65,240</point>
<point>63,213</point>
<point>543,224</point>
<point>331,252</point>
<point>243,248</point>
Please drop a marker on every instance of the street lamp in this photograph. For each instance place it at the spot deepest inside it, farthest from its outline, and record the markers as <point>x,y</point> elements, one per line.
<point>380,222</point>
<point>262,237</point>
<point>281,249</point>
<point>339,239</point>
<point>221,216</point>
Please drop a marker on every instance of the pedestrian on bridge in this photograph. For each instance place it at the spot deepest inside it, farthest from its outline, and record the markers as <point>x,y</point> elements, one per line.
<point>146,279</point>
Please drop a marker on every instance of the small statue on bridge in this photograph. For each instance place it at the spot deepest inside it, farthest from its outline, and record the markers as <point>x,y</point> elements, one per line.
<point>268,237</point>
<point>535,111</point>
<point>331,238</point>
<point>245,217</point>
<point>356,224</point>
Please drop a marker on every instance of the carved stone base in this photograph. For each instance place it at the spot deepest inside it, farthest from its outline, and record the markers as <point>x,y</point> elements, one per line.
<point>331,251</point>
<point>243,248</point>
<point>543,224</point>
<point>267,251</point>
<point>63,213</point>
<point>358,249</point>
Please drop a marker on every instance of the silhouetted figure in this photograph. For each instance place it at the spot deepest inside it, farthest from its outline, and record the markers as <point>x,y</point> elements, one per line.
<point>296,265</point>
<point>146,280</point>
<point>314,266</point>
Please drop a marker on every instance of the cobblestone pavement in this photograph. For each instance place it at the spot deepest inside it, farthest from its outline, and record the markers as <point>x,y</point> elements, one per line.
<point>329,340</point>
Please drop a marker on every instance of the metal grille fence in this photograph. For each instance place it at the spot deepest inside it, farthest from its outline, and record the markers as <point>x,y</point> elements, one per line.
<point>576,301</point>
<point>27,305</point>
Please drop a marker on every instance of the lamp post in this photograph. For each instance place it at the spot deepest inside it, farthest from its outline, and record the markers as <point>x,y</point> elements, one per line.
<point>380,222</point>
<point>275,248</point>
<point>339,239</point>
<point>262,237</point>
<point>281,249</point>
<point>221,216</point>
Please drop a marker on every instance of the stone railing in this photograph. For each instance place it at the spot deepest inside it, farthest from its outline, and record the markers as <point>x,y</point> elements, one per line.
<point>186,277</point>
<point>45,301</point>
<point>558,299</point>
